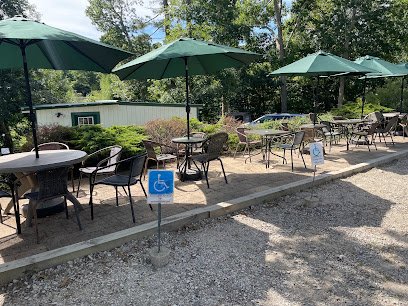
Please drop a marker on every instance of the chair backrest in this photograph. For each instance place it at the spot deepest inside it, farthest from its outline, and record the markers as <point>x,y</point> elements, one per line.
<point>375,117</point>
<point>391,124</point>
<point>51,146</point>
<point>215,144</point>
<point>198,135</point>
<point>149,149</point>
<point>114,155</point>
<point>313,117</point>
<point>298,138</point>
<point>52,183</point>
<point>137,165</point>
<point>373,127</point>
<point>241,134</point>
<point>327,126</point>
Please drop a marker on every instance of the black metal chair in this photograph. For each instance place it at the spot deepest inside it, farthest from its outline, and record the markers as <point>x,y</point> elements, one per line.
<point>106,163</point>
<point>128,177</point>
<point>296,144</point>
<point>162,157</point>
<point>10,194</point>
<point>331,133</point>
<point>365,133</point>
<point>52,183</point>
<point>213,148</point>
<point>388,129</point>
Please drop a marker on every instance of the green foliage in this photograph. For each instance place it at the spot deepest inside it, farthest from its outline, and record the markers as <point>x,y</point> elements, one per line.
<point>389,94</point>
<point>353,109</point>
<point>164,130</point>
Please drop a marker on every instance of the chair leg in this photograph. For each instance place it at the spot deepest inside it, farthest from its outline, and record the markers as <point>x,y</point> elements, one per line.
<point>222,167</point>
<point>16,210</point>
<point>1,214</point>
<point>236,150</point>
<point>66,207</point>
<point>72,179</point>
<point>368,143</point>
<point>131,205</point>
<point>304,164</point>
<point>79,182</point>
<point>206,173</point>
<point>90,200</point>
<point>144,191</point>
<point>373,142</point>
<point>291,158</point>
<point>117,196</point>
<point>284,153</point>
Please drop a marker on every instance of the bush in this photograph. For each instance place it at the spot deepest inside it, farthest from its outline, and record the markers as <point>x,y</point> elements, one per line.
<point>49,133</point>
<point>353,109</point>
<point>164,130</point>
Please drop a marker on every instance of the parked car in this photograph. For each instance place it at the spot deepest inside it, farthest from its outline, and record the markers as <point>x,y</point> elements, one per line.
<point>274,116</point>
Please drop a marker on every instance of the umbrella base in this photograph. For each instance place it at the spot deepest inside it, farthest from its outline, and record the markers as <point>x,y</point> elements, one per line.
<point>189,175</point>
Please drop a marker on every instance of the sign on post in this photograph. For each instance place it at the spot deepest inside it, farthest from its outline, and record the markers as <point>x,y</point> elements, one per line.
<point>316,153</point>
<point>161,187</point>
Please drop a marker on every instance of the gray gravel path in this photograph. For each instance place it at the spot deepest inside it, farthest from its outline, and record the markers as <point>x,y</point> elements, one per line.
<point>343,244</point>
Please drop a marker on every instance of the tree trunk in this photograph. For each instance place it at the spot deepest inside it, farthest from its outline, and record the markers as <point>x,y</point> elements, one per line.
<point>166,18</point>
<point>188,18</point>
<point>340,98</point>
<point>277,4</point>
<point>346,54</point>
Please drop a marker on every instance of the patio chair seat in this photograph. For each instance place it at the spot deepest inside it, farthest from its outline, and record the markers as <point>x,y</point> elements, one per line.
<point>161,157</point>
<point>202,158</point>
<point>117,180</point>
<point>4,194</point>
<point>287,146</point>
<point>89,170</point>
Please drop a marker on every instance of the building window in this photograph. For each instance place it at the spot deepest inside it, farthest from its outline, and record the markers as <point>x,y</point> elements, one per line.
<point>85,118</point>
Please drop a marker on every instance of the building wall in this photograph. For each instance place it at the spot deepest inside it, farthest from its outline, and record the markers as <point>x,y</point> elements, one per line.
<point>114,114</point>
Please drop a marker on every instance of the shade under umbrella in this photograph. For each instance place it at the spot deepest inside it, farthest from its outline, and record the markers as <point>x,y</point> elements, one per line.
<point>184,57</point>
<point>30,44</point>
<point>322,64</point>
<point>385,69</point>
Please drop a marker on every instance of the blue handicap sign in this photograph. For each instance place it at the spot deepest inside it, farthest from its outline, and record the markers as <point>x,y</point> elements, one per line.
<point>161,182</point>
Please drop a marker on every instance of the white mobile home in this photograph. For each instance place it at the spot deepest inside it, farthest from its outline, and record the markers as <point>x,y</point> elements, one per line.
<point>108,113</point>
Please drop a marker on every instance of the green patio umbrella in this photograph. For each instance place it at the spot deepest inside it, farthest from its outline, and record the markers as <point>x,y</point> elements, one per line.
<point>385,69</point>
<point>185,57</point>
<point>322,64</point>
<point>29,44</point>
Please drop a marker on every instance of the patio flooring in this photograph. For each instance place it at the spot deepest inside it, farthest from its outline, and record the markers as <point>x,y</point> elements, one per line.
<point>55,231</point>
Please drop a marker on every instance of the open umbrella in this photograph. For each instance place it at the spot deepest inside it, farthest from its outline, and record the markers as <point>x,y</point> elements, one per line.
<point>185,57</point>
<point>29,44</point>
<point>385,69</point>
<point>322,64</point>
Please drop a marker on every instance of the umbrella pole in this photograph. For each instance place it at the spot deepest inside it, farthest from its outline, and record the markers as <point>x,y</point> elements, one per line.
<point>363,98</point>
<point>315,102</point>
<point>187,99</point>
<point>402,94</point>
<point>29,97</point>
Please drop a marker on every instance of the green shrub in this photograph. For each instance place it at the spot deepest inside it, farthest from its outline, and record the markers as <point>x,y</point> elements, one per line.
<point>353,109</point>
<point>49,133</point>
<point>130,138</point>
<point>164,130</point>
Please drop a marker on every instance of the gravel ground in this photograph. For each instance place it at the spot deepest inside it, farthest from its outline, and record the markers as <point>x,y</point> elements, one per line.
<point>345,243</point>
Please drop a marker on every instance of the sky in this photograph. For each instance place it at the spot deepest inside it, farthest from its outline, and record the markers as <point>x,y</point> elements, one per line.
<point>70,15</point>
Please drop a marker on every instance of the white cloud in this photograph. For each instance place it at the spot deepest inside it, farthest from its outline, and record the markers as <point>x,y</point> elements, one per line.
<point>70,15</point>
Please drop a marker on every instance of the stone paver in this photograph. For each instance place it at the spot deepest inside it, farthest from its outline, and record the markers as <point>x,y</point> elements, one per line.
<point>243,179</point>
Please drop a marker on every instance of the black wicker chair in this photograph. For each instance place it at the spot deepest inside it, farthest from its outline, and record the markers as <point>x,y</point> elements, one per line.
<point>365,133</point>
<point>104,166</point>
<point>131,176</point>
<point>10,194</point>
<point>52,183</point>
<point>213,148</point>
<point>388,130</point>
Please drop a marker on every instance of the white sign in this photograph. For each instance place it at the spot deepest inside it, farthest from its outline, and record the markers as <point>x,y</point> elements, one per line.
<point>161,187</point>
<point>5,151</point>
<point>316,153</point>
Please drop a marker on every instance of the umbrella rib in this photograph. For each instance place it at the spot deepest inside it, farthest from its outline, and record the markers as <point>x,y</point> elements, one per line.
<point>88,57</point>
<point>47,57</point>
<point>205,69</point>
<point>132,70</point>
<point>165,68</point>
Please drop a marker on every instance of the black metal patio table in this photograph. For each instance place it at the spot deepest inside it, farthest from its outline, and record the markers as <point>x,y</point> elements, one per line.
<point>268,137</point>
<point>184,168</point>
<point>348,124</point>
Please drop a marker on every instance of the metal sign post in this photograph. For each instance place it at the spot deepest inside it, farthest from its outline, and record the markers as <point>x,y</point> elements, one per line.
<point>160,191</point>
<point>317,157</point>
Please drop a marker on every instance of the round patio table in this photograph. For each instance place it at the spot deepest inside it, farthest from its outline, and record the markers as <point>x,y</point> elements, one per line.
<point>26,162</point>
<point>185,172</point>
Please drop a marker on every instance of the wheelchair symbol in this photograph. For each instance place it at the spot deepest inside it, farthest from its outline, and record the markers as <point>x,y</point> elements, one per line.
<point>316,151</point>
<point>160,185</point>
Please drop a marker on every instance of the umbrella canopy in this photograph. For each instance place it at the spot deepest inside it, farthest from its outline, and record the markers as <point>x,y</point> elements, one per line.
<point>322,64</point>
<point>184,57</point>
<point>29,44</point>
<point>385,69</point>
